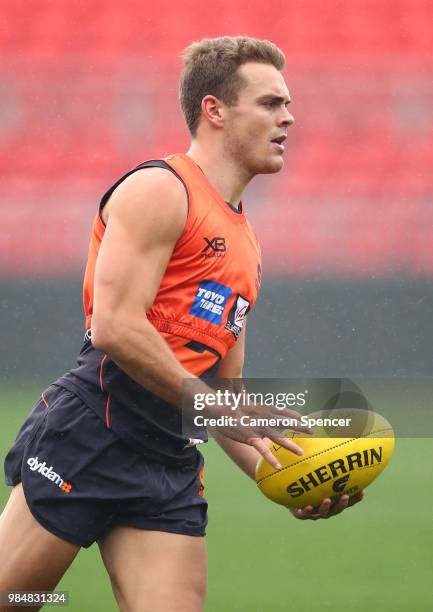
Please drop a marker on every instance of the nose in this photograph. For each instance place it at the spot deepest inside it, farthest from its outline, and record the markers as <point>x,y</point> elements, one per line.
<point>287,118</point>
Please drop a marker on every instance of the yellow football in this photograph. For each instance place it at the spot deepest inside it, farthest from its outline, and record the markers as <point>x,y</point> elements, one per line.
<point>330,466</point>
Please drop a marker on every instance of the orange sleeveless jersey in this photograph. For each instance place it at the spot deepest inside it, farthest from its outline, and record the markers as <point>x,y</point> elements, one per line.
<point>211,281</point>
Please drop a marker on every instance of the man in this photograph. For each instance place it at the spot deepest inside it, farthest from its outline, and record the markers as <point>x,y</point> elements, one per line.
<point>173,268</point>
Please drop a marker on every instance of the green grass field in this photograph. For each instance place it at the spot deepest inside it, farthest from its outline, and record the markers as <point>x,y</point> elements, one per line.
<point>375,557</point>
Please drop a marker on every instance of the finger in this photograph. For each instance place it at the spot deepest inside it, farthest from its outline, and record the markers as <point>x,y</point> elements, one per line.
<point>340,505</point>
<point>323,509</point>
<point>356,498</point>
<point>265,452</point>
<point>305,513</point>
<point>283,441</point>
<point>311,516</point>
<point>326,510</point>
<point>287,413</point>
<point>300,426</point>
<point>295,419</point>
<point>343,501</point>
<point>292,419</point>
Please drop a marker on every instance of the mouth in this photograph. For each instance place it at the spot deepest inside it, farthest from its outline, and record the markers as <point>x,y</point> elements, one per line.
<point>278,142</point>
<point>280,139</point>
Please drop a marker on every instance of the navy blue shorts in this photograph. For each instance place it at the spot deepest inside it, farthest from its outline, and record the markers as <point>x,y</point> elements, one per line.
<point>80,479</point>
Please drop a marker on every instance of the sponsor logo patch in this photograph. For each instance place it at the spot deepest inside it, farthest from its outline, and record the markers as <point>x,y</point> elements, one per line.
<point>47,472</point>
<point>210,301</point>
<point>237,315</point>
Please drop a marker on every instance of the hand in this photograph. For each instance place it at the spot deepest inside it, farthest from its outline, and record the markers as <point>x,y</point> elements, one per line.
<point>327,509</point>
<point>247,432</point>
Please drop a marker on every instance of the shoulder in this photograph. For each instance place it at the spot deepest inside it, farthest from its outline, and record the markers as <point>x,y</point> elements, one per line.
<point>149,192</point>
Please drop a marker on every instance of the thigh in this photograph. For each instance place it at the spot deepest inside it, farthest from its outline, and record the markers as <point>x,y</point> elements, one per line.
<point>31,558</point>
<point>65,463</point>
<point>155,571</point>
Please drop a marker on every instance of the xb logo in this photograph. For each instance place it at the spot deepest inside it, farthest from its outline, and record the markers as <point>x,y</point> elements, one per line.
<point>216,244</point>
<point>215,247</point>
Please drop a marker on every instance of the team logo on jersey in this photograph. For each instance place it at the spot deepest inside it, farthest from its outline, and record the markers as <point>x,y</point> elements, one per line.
<point>215,247</point>
<point>210,301</point>
<point>237,315</point>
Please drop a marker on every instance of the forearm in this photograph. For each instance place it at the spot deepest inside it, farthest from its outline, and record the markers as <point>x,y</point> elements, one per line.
<point>140,351</point>
<point>244,456</point>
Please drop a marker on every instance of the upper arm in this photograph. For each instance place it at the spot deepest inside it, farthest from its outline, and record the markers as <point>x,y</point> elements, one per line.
<point>232,364</point>
<point>145,215</point>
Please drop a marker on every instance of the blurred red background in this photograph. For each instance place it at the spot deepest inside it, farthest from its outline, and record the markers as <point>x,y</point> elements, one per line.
<point>89,89</point>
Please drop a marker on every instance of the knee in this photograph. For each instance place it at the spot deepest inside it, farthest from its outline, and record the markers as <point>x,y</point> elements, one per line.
<point>140,596</point>
<point>188,596</point>
<point>198,591</point>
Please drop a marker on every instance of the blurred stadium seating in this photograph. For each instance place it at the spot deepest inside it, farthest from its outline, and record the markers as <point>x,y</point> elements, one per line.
<point>88,91</point>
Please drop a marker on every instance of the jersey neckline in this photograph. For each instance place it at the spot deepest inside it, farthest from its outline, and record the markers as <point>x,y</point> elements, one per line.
<point>237,215</point>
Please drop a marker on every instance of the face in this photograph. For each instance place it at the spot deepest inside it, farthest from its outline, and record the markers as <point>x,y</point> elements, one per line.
<point>256,127</point>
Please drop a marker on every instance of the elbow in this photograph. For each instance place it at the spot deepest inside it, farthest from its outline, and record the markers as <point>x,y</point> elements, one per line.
<point>104,337</point>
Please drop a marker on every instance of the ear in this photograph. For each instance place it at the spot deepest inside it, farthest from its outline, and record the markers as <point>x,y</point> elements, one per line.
<point>211,109</point>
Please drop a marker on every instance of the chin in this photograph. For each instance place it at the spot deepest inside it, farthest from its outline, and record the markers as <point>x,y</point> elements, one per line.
<point>268,165</point>
<point>271,166</point>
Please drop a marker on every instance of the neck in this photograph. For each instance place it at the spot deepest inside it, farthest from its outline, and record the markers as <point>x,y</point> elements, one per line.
<point>222,171</point>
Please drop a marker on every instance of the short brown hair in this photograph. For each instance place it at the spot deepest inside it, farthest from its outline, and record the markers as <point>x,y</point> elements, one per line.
<point>210,67</point>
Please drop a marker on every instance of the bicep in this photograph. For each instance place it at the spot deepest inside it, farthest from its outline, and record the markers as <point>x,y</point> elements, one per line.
<point>146,217</point>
